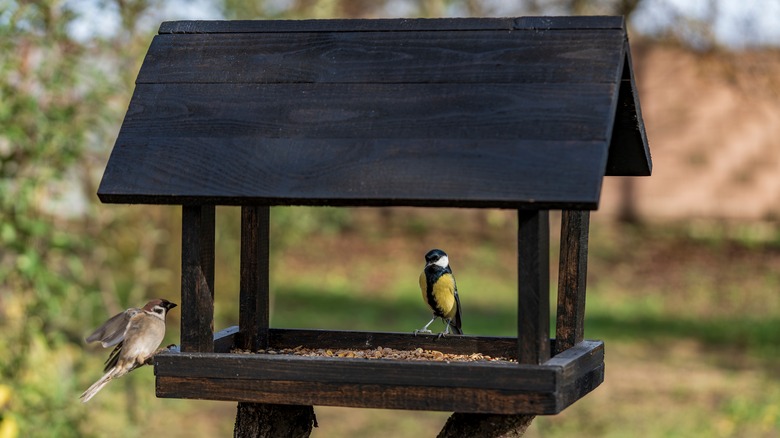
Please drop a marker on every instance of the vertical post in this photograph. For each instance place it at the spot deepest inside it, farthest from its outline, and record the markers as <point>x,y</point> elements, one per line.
<point>197,278</point>
<point>253,308</point>
<point>533,286</point>
<point>572,276</point>
<point>261,419</point>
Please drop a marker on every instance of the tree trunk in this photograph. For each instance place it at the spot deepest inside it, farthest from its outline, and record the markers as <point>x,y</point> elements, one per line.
<point>257,420</point>
<point>485,426</point>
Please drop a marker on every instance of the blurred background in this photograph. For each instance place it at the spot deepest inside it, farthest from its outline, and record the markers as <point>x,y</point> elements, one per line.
<point>684,280</point>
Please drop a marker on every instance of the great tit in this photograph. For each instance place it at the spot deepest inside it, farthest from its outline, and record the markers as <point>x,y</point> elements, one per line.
<point>440,292</point>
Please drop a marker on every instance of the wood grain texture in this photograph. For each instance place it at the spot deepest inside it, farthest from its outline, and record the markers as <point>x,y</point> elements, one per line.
<point>533,284</point>
<point>566,56</point>
<point>484,387</point>
<point>345,104</point>
<point>360,396</point>
<point>280,367</point>
<point>382,25</point>
<point>461,425</point>
<point>256,420</point>
<point>545,112</point>
<point>572,279</point>
<point>254,304</point>
<point>379,148</point>
<point>197,278</point>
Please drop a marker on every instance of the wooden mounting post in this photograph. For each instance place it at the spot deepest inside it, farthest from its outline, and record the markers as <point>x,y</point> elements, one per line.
<point>197,278</point>
<point>253,310</point>
<point>572,277</point>
<point>533,286</point>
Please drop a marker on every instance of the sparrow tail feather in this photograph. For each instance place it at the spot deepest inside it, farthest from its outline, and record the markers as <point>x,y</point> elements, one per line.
<point>97,386</point>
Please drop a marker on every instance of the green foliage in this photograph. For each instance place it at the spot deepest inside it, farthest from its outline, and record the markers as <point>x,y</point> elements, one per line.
<point>56,118</point>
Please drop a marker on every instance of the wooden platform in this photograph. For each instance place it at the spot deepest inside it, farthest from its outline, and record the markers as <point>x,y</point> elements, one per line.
<point>476,387</point>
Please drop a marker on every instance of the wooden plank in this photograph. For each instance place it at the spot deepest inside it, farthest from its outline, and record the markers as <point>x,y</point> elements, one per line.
<point>567,56</point>
<point>550,112</point>
<point>580,387</point>
<point>398,24</point>
<point>572,279</point>
<point>574,22</point>
<point>254,307</point>
<point>578,360</point>
<point>470,400</point>
<point>581,371</point>
<point>533,284</point>
<point>282,367</point>
<point>229,171</point>
<point>336,25</point>
<point>197,278</point>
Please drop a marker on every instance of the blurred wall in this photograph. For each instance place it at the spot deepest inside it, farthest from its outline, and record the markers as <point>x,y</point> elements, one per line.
<point>713,124</point>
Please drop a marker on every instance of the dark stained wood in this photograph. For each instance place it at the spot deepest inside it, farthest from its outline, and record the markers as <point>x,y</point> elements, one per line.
<point>197,278</point>
<point>254,307</point>
<point>566,56</point>
<point>461,425</point>
<point>577,22</point>
<point>572,279</point>
<point>382,25</point>
<point>578,360</point>
<point>629,153</point>
<point>241,112</point>
<point>337,25</point>
<point>580,387</point>
<point>503,104</point>
<point>256,420</point>
<point>480,387</point>
<point>359,172</point>
<point>533,283</point>
<point>356,395</point>
<point>283,367</point>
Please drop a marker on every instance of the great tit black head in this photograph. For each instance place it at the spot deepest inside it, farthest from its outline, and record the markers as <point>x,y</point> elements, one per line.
<point>437,257</point>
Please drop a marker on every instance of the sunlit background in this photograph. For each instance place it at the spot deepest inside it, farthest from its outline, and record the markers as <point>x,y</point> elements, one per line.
<point>684,280</point>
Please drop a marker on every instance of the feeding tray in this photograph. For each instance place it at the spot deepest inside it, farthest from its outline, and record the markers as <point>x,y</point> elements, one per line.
<point>515,113</point>
<point>477,386</point>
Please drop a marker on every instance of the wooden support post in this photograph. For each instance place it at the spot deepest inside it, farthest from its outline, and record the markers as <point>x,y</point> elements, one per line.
<point>256,420</point>
<point>533,286</point>
<point>260,419</point>
<point>197,278</point>
<point>253,308</point>
<point>485,425</point>
<point>572,277</point>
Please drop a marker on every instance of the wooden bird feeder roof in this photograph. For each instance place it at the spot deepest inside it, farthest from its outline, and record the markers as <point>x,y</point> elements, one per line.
<point>523,113</point>
<point>442,112</point>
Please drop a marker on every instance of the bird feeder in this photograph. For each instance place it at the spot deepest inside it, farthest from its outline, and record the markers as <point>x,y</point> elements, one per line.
<point>511,113</point>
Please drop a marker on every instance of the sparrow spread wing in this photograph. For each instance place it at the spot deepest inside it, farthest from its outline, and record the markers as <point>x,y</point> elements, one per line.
<point>112,331</point>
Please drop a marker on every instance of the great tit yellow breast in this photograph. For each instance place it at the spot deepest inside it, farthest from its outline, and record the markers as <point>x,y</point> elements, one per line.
<point>438,290</point>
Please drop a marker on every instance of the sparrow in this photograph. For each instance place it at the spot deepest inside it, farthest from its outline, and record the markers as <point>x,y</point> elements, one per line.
<point>136,333</point>
<point>440,292</point>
